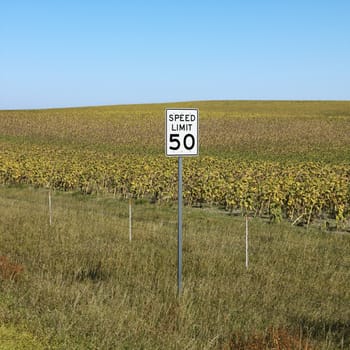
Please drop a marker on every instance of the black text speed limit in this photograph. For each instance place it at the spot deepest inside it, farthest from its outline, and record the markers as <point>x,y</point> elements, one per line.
<point>181,132</point>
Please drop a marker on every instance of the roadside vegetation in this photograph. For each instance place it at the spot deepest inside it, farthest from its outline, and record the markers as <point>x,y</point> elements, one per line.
<point>83,285</point>
<point>80,284</point>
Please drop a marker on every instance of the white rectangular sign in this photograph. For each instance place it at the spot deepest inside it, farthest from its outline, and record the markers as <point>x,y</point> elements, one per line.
<point>181,128</point>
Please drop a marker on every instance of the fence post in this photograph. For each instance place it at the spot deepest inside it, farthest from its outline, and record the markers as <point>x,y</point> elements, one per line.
<point>246,243</point>
<point>130,219</point>
<point>50,208</point>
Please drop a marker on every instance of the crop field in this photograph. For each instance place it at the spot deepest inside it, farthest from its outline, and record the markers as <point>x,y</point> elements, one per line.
<point>79,283</point>
<point>278,159</point>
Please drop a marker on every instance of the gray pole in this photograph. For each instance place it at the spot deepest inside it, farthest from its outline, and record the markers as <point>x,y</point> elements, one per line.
<point>179,221</point>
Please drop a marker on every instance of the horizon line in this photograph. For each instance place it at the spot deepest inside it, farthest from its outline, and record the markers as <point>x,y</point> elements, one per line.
<point>172,102</point>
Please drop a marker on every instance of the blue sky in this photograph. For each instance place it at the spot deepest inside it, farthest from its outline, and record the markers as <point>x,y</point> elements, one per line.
<point>82,53</point>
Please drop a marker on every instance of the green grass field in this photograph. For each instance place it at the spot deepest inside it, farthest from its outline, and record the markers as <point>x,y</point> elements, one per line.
<point>80,283</point>
<point>85,286</point>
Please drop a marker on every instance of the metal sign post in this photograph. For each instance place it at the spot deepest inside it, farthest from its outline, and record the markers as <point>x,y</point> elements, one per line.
<point>181,139</point>
<point>179,229</point>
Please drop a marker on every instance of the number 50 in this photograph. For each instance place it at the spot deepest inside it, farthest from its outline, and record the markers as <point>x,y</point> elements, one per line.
<point>188,141</point>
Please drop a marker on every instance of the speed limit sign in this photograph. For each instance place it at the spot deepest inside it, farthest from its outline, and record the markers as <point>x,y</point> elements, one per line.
<point>181,139</point>
<point>181,132</point>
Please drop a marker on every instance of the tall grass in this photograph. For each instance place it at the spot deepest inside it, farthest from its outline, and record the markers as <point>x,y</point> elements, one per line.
<point>85,286</point>
<point>80,284</point>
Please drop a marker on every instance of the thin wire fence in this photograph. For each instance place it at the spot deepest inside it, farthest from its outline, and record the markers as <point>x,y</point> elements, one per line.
<point>137,220</point>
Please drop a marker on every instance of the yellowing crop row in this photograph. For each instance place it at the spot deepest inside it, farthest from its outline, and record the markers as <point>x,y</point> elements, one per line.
<point>297,191</point>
